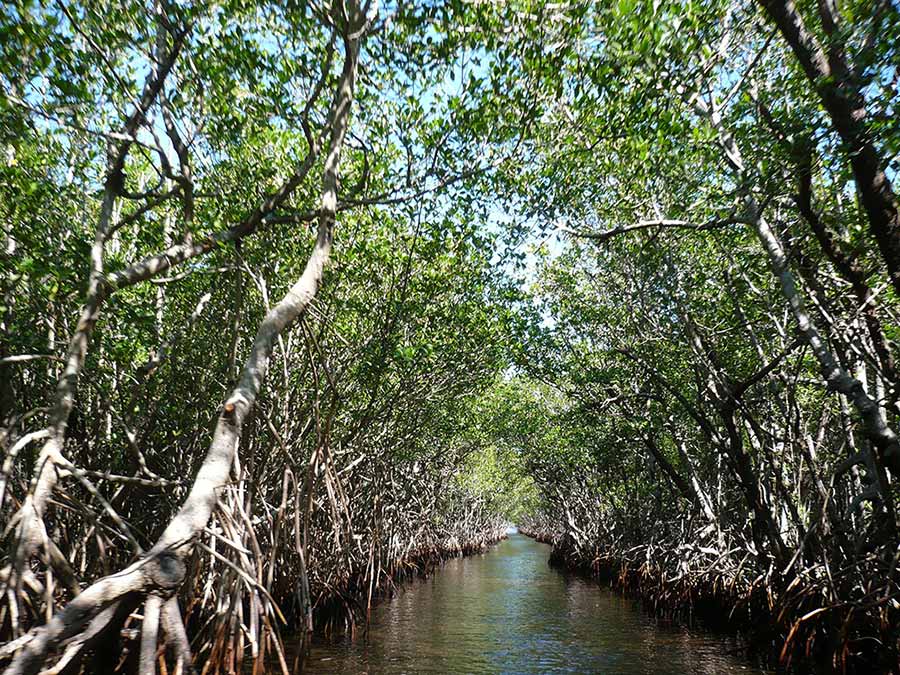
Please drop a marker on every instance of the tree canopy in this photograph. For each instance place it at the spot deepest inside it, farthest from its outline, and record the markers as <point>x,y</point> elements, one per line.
<point>299,296</point>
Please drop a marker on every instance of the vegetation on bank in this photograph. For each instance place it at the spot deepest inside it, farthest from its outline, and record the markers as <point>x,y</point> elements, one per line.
<point>296,296</point>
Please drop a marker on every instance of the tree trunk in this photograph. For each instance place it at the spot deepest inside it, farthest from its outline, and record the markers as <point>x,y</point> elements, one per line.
<point>162,569</point>
<point>843,100</point>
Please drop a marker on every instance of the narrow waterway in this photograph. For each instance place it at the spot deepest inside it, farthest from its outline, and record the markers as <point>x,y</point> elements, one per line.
<point>507,611</point>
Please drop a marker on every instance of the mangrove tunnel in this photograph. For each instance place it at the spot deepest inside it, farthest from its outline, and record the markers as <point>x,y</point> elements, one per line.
<point>301,299</point>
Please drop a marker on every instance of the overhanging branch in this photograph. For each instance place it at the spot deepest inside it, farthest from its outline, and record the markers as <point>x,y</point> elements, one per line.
<point>603,237</point>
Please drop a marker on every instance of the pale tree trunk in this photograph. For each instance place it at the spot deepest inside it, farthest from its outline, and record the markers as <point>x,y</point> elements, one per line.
<point>839,90</point>
<point>160,572</point>
<point>31,535</point>
<point>875,426</point>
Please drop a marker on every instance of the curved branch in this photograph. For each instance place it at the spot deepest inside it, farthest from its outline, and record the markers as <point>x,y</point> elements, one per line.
<point>603,237</point>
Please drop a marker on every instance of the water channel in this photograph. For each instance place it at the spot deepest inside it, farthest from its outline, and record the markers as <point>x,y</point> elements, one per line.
<point>507,611</point>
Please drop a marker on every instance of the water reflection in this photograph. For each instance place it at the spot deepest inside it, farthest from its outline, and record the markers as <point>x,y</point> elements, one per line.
<point>507,612</point>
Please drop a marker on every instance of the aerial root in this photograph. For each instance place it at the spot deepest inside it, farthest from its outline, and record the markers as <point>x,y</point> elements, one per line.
<point>150,635</point>
<point>782,620</point>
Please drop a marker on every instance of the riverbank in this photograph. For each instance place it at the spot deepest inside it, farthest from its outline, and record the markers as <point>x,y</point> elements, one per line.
<point>779,625</point>
<point>339,611</point>
<point>347,606</point>
<point>508,611</point>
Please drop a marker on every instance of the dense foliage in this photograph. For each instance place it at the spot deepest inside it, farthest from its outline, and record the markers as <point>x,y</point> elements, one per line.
<point>297,296</point>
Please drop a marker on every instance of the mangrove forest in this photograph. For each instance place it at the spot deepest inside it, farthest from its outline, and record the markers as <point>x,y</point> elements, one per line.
<point>302,299</point>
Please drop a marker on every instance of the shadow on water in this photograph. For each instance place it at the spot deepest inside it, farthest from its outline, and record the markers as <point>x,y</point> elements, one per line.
<point>507,611</point>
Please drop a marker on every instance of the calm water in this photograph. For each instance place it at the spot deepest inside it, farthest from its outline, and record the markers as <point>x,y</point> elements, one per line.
<point>507,611</point>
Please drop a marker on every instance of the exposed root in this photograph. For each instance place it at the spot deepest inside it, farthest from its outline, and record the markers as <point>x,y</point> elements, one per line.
<point>792,621</point>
